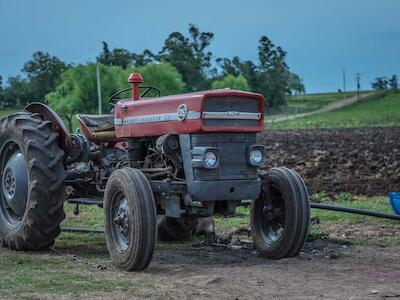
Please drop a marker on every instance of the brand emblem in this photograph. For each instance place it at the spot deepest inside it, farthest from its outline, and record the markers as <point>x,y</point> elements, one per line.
<point>182,112</point>
<point>233,113</point>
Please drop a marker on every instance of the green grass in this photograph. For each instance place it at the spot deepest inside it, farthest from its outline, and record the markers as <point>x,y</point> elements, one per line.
<point>92,216</point>
<point>381,110</point>
<point>309,102</point>
<point>374,203</point>
<point>6,112</point>
<point>226,225</point>
<point>24,274</point>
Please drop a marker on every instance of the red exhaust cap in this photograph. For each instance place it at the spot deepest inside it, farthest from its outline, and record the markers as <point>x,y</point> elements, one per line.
<point>135,79</point>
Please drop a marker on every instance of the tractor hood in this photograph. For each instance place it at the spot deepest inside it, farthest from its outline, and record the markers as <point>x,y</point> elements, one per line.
<point>207,111</point>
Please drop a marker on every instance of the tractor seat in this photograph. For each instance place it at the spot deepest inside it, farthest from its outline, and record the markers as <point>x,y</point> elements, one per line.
<point>97,123</point>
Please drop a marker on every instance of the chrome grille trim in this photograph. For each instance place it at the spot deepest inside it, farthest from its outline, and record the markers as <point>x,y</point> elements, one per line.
<point>231,115</point>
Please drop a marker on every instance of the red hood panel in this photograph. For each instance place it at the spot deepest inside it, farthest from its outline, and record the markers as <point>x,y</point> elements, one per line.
<point>157,116</point>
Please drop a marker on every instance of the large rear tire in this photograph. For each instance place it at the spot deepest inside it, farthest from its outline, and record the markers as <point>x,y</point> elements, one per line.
<point>130,219</point>
<point>32,191</point>
<point>280,216</point>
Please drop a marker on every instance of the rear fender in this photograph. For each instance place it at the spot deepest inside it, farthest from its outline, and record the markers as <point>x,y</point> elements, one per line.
<point>57,124</point>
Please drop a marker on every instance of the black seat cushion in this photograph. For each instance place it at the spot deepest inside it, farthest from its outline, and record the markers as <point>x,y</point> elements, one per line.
<point>98,123</point>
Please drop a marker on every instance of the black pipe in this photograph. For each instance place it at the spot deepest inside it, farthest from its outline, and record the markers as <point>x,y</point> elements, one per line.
<point>351,210</point>
<point>81,230</point>
<point>357,211</point>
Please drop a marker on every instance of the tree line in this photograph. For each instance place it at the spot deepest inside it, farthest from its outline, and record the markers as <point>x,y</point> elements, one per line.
<point>384,83</point>
<point>184,64</point>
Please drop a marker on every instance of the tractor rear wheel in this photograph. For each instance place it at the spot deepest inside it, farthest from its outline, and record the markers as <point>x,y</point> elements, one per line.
<point>32,189</point>
<point>280,216</point>
<point>130,219</point>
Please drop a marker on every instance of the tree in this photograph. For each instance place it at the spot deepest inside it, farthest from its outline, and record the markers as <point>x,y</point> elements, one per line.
<point>270,77</point>
<point>393,83</point>
<point>296,85</point>
<point>77,92</point>
<point>123,58</point>
<point>189,56</point>
<point>164,76</point>
<point>17,91</point>
<point>380,83</point>
<point>43,72</point>
<point>232,82</point>
<point>105,56</point>
<point>237,67</point>
<point>274,72</point>
<point>145,58</point>
<point>1,92</point>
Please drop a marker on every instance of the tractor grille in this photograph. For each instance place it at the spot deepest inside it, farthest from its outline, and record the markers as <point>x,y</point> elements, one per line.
<point>232,154</point>
<point>231,112</point>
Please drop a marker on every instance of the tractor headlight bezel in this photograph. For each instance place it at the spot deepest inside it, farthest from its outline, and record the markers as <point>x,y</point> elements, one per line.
<point>210,158</point>
<point>205,157</point>
<point>256,155</point>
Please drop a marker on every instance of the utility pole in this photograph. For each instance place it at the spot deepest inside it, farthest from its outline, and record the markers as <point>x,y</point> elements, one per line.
<point>99,89</point>
<point>358,79</point>
<point>344,83</point>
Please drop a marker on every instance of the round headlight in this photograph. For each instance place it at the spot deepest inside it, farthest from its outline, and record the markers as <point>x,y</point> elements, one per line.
<point>256,156</point>
<point>210,158</point>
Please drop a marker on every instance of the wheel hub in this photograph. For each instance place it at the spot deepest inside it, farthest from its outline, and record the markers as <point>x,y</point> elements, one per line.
<point>15,183</point>
<point>273,214</point>
<point>121,222</point>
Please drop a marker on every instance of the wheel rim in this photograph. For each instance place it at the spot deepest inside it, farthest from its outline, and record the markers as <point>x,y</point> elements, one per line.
<point>273,219</point>
<point>14,183</point>
<point>121,223</point>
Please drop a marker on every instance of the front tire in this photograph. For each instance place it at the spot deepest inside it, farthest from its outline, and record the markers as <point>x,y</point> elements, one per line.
<point>130,219</point>
<point>279,225</point>
<point>32,191</point>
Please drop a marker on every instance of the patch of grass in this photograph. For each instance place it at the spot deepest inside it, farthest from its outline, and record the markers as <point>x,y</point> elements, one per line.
<point>381,110</point>
<point>315,232</point>
<point>9,111</point>
<point>320,196</point>
<point>89,216</point>
<point>345,197</point>
<point>225,225</point>
<point>47,274</point>
<point>371,203</point>
<point>297,104</point>
<point>311,102</point>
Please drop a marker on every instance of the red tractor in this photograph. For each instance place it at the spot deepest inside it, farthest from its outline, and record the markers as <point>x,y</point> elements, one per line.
<point>182,157</point>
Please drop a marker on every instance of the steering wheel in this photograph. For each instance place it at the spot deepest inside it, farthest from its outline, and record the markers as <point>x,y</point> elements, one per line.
<point>114,98</point>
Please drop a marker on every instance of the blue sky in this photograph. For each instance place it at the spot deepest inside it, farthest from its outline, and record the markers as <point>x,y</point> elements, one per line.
<point>321,37</point>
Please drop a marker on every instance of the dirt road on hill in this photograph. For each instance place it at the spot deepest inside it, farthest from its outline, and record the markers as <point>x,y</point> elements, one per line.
<point>330,107</point>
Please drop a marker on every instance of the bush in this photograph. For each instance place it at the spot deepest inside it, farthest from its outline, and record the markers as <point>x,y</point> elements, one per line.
<point>164,76</point>
<point>232,82</point>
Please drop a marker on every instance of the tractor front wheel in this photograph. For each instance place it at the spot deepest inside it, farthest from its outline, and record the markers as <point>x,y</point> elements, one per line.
<point>280,216</point>
<point>130,219</point>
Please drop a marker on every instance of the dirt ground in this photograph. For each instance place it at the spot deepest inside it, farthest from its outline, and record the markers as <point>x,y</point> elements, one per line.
<point>363,161</point>
<point>326,268</point>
